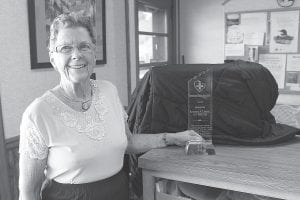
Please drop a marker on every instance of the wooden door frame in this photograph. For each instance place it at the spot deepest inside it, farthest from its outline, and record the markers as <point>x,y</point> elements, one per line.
<point>4,186</point>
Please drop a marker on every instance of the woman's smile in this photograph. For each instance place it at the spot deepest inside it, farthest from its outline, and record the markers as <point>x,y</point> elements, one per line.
<point>77,66</point>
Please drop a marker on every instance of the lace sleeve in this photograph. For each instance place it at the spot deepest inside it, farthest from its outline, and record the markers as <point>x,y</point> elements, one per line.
<point>32,142</point>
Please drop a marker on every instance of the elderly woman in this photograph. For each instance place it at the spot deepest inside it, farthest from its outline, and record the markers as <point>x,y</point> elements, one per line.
<point>73,138</point>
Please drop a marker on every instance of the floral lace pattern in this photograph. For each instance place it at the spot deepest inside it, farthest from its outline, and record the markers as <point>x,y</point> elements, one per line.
<point>32,143</point>
<point>91,123</point>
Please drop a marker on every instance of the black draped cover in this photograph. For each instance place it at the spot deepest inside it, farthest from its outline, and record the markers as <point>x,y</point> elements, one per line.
<point>243,95</point>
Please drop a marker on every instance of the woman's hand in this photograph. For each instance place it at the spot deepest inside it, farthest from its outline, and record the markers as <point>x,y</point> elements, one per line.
<point>180,138</point>
<point>140,143</point>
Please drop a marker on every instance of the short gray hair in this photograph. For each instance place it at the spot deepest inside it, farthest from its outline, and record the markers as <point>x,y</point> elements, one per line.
<point>73,19</point>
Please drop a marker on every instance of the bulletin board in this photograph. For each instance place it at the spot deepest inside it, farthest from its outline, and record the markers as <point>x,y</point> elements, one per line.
<point>268,37</point>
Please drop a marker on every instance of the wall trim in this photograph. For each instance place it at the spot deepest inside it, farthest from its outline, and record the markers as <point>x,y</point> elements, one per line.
<point>5,192</point>
<point>12,142</point>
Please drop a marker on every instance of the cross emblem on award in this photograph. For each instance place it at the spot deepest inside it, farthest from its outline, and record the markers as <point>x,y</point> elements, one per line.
<point>199,86</point>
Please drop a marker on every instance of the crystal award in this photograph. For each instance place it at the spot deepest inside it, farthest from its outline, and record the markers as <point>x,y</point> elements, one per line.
<point>200,112</point>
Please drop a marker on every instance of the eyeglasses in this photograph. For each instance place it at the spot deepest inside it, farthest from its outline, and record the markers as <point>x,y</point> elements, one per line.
<point>69,49</point>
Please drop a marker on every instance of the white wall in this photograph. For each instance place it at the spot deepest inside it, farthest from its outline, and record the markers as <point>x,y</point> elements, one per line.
<point>201,31</point>
<point>20,85</point>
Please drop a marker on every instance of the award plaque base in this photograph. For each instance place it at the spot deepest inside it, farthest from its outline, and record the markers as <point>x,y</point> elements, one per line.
<point>199,147</point>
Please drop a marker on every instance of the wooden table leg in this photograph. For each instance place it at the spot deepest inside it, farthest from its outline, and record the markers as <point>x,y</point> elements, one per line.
<point>148,186</point>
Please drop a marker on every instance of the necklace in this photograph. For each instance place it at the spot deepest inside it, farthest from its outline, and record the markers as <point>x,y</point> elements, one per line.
<point>85,105</point>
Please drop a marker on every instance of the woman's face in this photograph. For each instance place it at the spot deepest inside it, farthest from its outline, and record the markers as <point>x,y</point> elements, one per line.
<point>73,55</point>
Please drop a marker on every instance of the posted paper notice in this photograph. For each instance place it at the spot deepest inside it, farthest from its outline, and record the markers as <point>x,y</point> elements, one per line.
<point>234,49</point>
<point>284,32</point>
<point>293,62</point>
<point>276,65</point>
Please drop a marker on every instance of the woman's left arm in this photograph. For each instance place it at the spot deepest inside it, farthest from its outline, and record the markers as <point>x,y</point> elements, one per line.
<point>140,143</point>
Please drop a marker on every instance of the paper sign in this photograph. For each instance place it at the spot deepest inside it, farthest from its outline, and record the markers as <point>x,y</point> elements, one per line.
<point>234,49</point>
<point>276,65</point>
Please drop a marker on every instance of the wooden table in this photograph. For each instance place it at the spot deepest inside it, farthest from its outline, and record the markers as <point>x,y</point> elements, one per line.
<point>272,171</point>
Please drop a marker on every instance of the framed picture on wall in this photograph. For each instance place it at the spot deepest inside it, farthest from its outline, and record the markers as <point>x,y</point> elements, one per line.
<point>42,12</point>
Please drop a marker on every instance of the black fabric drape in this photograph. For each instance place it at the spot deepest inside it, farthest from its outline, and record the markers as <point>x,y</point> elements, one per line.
<point>243,95</point>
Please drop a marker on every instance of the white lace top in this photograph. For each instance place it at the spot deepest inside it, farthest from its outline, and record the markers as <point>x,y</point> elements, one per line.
<point>80,147</point>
